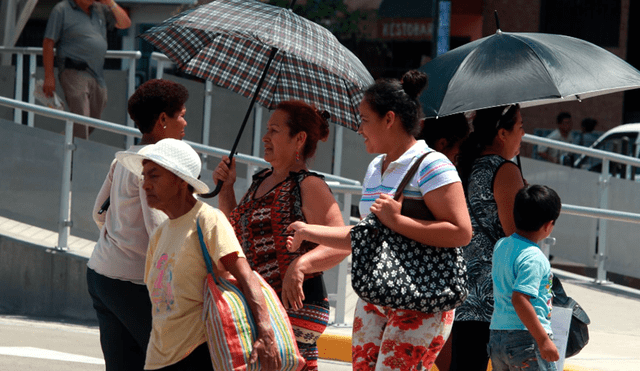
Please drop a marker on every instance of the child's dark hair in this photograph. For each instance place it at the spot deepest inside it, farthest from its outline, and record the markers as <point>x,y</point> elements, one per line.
<point>535,205</point>
<point>399,96</point>
<point>452,128</point>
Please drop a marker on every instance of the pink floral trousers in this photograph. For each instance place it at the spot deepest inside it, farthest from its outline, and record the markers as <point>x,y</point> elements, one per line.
<point>394,339</point>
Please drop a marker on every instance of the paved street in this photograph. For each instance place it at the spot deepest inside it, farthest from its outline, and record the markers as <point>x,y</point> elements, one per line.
<point>28,344</point>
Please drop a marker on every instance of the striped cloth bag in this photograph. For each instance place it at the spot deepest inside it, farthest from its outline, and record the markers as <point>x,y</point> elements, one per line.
<point>231,328</point>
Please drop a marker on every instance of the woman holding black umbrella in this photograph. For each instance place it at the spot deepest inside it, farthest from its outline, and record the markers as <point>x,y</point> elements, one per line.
<point>491,182</point>
<point>276,198</point>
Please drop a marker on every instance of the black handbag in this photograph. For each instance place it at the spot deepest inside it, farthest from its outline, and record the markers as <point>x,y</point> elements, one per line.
<point>391,270</point>
<point>578,328</point>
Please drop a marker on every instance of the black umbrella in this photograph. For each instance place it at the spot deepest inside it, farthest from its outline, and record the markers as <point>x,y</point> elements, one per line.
<point>526,68</point>
<point>246,45</point>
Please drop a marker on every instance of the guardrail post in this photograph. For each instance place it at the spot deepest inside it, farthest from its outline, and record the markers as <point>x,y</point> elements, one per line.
<point>65,223</point>
<point>206,119</point>
<point>601,252</point>
<point>343,270</point>
<point>17,113</point>
<point>545,245</point>
<point>131,87</point>
<point>32,86</point>
<point>257,138</point>
<point>159,69</point>
<point>337,150</point>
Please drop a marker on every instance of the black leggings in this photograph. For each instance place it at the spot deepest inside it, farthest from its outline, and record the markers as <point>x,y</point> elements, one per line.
<point>124,316</point>
<point>469,341</point>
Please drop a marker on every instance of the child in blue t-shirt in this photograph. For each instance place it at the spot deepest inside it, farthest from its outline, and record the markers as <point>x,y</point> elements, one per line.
<point>521,336</point>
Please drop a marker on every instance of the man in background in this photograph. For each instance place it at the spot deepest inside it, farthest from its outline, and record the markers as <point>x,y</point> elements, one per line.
<point>562,133</point>
<point>587,136</point>
<point>78,31</point>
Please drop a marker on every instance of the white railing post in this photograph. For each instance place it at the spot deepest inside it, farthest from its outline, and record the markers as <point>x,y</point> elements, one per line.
<point>343,270</point>
<point>17,113</point>
<point>64,222</point>
<point>257,138</point>
<point>601,256</point>
<point>206,117</point>
<point>32,86</point>
<point>131,87</point>
<point>337,150</point>
<point>159,69</point>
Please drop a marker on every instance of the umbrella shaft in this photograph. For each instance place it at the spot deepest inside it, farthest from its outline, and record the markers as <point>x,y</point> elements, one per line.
<point>274,50</point>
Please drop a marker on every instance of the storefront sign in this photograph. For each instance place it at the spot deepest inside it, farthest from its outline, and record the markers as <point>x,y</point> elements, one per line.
<point>406,29</point>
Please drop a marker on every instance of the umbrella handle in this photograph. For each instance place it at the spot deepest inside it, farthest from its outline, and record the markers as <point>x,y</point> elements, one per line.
<point>274,50</point>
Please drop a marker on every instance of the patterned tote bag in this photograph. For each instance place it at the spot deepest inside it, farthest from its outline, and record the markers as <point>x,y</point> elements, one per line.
<point>231,328</point>
<point>391,270</point>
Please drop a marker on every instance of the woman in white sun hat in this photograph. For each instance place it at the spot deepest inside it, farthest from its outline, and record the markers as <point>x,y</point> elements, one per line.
<point>175,269</point>
<point>115,270</point>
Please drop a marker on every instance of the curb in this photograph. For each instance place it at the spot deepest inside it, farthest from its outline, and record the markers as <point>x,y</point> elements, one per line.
<point>334,347</point>
<point>338,348</point>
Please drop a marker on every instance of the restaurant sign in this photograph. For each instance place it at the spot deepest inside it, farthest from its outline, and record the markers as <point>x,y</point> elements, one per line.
<point>405,29</point>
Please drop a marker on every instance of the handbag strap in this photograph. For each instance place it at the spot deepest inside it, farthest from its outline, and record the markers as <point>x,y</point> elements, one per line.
<point>409,175</point>
<point>205,253</point>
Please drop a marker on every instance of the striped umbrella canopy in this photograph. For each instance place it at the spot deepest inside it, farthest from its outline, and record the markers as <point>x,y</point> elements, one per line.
<point>234,42</point>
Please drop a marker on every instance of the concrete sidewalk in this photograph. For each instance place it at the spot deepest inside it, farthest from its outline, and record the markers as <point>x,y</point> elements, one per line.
<point>614,333</point>
<point>614,343</point>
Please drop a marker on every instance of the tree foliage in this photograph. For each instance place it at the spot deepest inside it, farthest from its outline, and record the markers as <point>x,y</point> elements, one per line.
<point>332,14</point>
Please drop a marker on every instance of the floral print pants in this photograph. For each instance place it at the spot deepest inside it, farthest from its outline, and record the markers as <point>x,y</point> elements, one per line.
<point>393,339</point>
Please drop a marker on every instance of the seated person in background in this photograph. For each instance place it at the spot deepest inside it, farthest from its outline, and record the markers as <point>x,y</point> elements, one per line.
<point>562,133</point>
<point>521,336</point>
<point>586,136</point>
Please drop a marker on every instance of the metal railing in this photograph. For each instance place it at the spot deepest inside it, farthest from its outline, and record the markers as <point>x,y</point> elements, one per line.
<point>336,183</point>
<point>31,54</point>
<point>602,213</point>
<point>64,224</point>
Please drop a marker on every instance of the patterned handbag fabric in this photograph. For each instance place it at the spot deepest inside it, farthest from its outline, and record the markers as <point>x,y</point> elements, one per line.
<point>231,328</point>
<point>391,270</point>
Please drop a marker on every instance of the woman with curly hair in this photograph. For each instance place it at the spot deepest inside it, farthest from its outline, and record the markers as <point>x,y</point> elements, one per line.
<point>116,267</point>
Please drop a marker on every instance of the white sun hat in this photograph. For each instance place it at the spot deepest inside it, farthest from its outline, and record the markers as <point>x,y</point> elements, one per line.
<point>172,154</point>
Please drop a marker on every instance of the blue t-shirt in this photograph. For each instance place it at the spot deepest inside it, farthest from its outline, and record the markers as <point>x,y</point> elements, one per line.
<point>519,265</point>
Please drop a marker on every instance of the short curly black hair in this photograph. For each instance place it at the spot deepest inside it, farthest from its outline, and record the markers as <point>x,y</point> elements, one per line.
<point>153,98</point>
